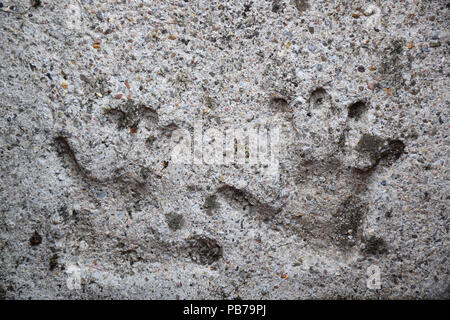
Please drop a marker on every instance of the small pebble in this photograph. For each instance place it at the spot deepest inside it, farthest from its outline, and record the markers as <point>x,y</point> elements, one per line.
<point>312,48</point>
<point>435,44</point>
<point>99,16</point>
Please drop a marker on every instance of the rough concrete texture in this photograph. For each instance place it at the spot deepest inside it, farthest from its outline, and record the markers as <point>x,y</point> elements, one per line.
<point>94,207</point>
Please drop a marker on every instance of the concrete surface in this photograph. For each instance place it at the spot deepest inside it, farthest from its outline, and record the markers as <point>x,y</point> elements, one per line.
<point>95,206</point>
